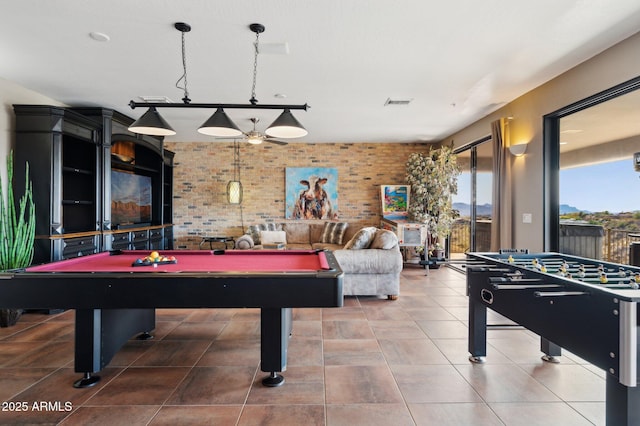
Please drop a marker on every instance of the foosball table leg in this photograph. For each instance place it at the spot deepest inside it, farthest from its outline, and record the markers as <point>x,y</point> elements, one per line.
<point>477,331</point>
<point>550,350</point>
<point>623,403</point>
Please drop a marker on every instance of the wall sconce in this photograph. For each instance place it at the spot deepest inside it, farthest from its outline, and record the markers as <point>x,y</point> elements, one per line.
<point>518,150</point>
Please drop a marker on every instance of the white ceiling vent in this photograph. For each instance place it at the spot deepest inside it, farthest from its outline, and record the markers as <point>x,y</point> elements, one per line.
<point>156,99</point>
<point>394,102</point>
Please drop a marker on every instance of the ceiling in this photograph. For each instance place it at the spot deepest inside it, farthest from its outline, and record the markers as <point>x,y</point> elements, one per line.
<point>614,120</point>
<point>457,60</point>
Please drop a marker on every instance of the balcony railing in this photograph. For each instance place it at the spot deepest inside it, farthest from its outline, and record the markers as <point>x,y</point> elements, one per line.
<point>585,240</point>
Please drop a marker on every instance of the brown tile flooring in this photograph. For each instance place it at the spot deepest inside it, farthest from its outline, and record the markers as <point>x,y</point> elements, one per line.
<point>372,362</point>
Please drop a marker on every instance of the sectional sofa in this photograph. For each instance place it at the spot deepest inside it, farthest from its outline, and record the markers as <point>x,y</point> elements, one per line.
<point>370,257</point>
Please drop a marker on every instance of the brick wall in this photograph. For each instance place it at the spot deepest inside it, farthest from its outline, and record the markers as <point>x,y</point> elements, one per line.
<point>203,169</point>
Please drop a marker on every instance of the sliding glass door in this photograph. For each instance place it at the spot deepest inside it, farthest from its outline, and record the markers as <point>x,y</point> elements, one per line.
<point>472,230</point>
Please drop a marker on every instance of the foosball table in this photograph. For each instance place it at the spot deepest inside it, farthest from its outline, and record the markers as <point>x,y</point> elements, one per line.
<point>585,306</point>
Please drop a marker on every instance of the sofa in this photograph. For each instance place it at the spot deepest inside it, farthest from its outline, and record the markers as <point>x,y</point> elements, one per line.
<point>369,257</point>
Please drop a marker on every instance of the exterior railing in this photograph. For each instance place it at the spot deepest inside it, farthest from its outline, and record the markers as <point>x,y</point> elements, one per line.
<point>585,240</point>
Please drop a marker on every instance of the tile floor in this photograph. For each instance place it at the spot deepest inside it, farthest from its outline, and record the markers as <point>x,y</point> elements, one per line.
<point>372,362</point>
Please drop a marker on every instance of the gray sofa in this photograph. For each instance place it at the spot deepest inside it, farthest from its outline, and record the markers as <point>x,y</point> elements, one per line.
<point>370,257</point>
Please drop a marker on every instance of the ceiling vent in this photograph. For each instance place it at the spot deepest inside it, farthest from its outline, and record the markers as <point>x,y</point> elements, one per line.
<point>156,99</point>
<point>390,102</point>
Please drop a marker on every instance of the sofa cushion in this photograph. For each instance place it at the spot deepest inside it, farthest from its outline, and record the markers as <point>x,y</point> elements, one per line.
<point>326,246</point>
<point>384,239</point>
<point>244,242</point>
<point>333,232</point>
<point>315,232</point>
<point>297,232</point>
<point>271,237</point>
<point>362,239</point>
<point>254,230</point>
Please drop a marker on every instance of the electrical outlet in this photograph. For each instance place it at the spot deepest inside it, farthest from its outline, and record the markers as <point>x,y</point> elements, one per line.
<point>527,218</point>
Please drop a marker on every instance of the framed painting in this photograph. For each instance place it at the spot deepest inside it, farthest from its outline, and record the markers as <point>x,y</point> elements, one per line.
<point>395,201</point>
<point>311,193</point>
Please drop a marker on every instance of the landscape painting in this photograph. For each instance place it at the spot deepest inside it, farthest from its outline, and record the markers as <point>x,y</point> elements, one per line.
<point>130,198</point>
<point>311,193</point>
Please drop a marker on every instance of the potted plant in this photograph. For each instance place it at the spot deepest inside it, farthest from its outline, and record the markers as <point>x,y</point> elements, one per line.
<point>17,232</point>
<point>434,179</point>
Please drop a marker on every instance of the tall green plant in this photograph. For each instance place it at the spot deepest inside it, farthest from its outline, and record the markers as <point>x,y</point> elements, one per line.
<point>17,226</point>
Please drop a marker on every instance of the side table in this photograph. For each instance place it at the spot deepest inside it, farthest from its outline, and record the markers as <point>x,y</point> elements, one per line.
<point>221,242</point>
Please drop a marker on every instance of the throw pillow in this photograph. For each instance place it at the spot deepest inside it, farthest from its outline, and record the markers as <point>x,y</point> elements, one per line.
<point>271,237</point>
<point>384,240</point>
<point>333,232</point>
<point>244,242</point>
<point>254,230</point>
<point>297,233</point>
<point>362,239</point>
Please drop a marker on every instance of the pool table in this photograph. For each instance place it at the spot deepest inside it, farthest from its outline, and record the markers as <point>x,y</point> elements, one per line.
<point>115,296</point>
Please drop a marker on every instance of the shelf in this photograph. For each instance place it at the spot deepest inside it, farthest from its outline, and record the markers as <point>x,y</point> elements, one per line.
<point>121,165</point>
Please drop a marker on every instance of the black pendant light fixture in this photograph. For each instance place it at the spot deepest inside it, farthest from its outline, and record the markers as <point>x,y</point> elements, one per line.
<point>152,123</point>
<point>219,124</point>
<point>286,126</point>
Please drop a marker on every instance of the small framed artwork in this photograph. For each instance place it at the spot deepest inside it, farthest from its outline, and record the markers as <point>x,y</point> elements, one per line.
<point>395,201</point>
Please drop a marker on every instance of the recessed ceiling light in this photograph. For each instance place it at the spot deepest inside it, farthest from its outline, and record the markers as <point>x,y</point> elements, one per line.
<point>563,143</point>
<point>571,131</point>
<point>280,96</point>
<point>99,36</point>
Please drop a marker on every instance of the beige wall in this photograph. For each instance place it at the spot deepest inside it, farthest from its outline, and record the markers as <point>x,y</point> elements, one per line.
<point>202,171</point>
<point>612,67</point>
<point>11,93</point>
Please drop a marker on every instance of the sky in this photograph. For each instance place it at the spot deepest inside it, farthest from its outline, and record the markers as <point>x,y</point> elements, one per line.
<point>483,182</point>
<point>613,186</point>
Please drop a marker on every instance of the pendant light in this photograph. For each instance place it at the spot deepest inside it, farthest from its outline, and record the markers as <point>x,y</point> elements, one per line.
<point>286,126</point>
<point>219,124</point>
<point>234,187</point>
<point>152,123</point>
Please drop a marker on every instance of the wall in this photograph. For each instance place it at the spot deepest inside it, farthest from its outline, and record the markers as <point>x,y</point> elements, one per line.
<point>11,93</point>
<point>202,171</point>
<point>615,65</point>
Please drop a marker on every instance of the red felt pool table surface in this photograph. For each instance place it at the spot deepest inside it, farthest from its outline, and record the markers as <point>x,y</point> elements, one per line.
<point>195,261</point>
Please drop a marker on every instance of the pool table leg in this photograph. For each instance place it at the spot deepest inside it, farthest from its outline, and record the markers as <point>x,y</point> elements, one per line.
<point>275,329</point>
<point>100,333</point>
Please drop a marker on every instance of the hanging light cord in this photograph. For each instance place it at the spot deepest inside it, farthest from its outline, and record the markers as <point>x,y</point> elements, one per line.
<point>186,99</point>
<point>236,161</point>
<point>253,99</point>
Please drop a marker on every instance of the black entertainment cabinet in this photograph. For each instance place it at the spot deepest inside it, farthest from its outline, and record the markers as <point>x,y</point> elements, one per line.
<point>71,157</point>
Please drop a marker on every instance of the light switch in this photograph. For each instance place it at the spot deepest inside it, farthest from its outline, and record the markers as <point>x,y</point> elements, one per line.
<point>526,218</point>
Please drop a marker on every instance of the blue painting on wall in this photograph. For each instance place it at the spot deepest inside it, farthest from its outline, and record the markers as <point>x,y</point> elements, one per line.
<point>311,193</point>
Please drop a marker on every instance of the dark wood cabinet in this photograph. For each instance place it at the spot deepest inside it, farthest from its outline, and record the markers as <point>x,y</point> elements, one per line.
<point>71,156</point>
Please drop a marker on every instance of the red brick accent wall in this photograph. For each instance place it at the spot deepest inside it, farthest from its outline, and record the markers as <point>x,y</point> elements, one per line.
<point>203,169</point>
